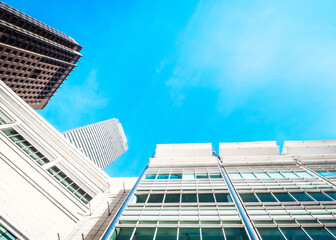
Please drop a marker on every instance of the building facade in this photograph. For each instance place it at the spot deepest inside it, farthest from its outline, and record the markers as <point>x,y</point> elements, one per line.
<point>102,142</point>
<point>247,191</point>
<point>49,189</point>
<point>35,59</point>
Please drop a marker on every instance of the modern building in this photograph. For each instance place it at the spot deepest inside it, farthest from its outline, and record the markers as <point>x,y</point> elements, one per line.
<point>49,189</point>
<point>102,142</point>
<point>247,191</point>
<point>35,59</point>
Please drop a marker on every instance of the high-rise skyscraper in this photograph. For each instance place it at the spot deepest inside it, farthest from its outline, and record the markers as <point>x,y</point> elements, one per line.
<point>35,59</point>
<point>248,191</point>
<point>102,142</point>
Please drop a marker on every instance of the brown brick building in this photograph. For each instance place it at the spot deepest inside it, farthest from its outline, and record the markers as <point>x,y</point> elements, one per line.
<point>35,59</point>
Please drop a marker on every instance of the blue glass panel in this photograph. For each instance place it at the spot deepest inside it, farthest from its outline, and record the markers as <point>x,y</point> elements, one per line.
<point>320,197</point>
<point>189,234</point>
<point>176,176</point>
<point>162,176</point>
<point>206,198</point>
<point>166,234</point>
<point>302,197</point>
<point>332,195</point>
<point>270,234</point>
<point>235,234</point>
<point>172,198</point>
<point>150,176</point>
<point>284,197</point>
<point>186,198</point>
<point>215,175</point>
<point>294,233</point>
<point>248,197</point>
<point>319,234</point>
<point>223,197</point>
<point>212,234</point>
<point>266,197</point>
<point>324,174</point>
<point>144,234</point>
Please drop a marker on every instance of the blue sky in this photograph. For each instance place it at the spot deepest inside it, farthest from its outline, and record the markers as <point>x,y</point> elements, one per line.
<point>196,71</point>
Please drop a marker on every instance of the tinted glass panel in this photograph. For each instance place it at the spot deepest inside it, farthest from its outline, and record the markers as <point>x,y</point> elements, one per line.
<point>144,234</point>
<point>270,234</point>
<point>155,198</point>
<point>176,176</point>
<point>206,198</point>
<point>284,197</point>
<point>150,176</point>
<point>172,198</point>
<point>212,234</point>
<point>215,175</point>
<point>202,175</point>
<point>332,195</point>
<point>189,198</point>
<point>189,234</point>
<point>141,198</point>
<point>166,234</point>
<point>223,197</point>
<point>302,197</point>
<point>295,233</point>
<point>162,176</point>
<point>320,197</point>
<point>319,233</point>
<point>248,197</point>
<point>324,174</point>
<point>122,233</point>
<point>266,197</point>
<point>235,234</point>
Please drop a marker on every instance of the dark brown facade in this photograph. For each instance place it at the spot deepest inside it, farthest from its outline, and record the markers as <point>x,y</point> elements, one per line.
<point>35,59</point>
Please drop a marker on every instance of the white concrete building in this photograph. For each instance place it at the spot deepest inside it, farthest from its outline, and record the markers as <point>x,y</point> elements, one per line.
<point>48,187</point>
<point>102,142</point>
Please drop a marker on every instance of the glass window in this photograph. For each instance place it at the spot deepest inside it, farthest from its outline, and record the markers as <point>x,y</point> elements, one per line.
<point>189,234</point>
<point>270,234</point>
<point>162,176</point>
<point>302,197</point>
<point>5,234</point>
<point>150,176</point>
<point>215,175</point>
<point>284,197</point>
<point>223,197</point>
<point>206,198</point>
<point>304,174</point>
<point>122,233</point>
<point>235,176</point>
<point>188,176</point>
<point>295,233</point>
<point>319,233</point>
<point>332,195</point>
<point>320,197</point>
<point>202,175</point>
<point>266,197</point>
<point>144,234</point>
<point>186,198</point>
<point>248,175</point>
<point>166,234</point>
<point>141,198</point>
<point>261,175</point>
<point>172,198</point>
<point>176,176</point>
<point>289,175</point>
<point>212,234</point>
<point>248,197</point>
<point>235,234</point>
<point>155,198</point>
<point>275,175</point>
<point>324,173</point>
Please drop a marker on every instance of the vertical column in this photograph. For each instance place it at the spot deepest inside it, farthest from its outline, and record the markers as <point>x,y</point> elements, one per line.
<point>247,222</point>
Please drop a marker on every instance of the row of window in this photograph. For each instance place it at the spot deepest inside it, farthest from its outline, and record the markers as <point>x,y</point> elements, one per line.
<point>288,197</point>
<point>184,176</point>
<point>5,234</point>
<point>41,160</point>
<point>182,198</point>
<point>327,173</point>
<point>306,233</point>
<point>179,234</point>
<point>265,175</point>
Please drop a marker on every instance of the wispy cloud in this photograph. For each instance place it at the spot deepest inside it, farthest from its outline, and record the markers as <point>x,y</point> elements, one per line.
<point>279,52</point>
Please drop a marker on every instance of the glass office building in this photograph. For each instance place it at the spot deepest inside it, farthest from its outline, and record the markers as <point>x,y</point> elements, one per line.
<point>247,191</point>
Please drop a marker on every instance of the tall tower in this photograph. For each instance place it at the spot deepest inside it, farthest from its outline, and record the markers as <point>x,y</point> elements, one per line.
<point>35,59</point>
<point>102,142</point>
